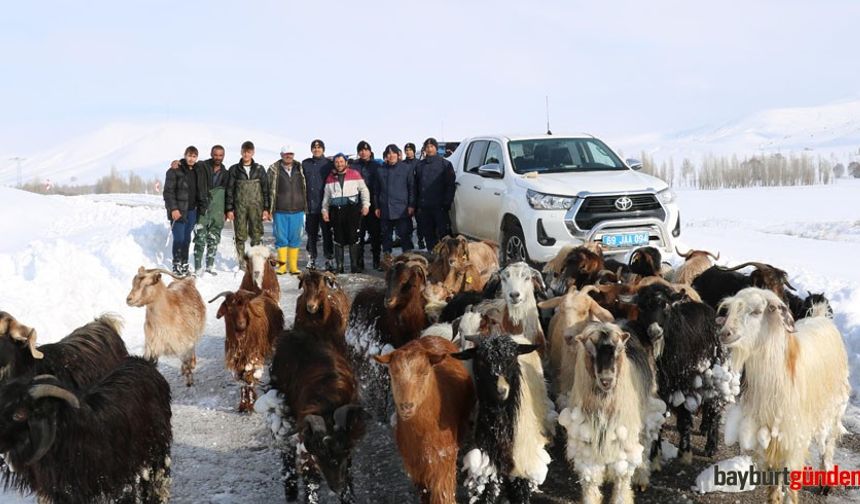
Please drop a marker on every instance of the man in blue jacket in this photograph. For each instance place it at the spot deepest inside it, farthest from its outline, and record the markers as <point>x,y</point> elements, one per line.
<point>434,187</point>
<point>316,168</point>
<point>394,199</point>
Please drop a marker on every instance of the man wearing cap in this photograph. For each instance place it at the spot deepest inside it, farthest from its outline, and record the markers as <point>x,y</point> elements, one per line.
<point>316,168</point>
<point>288,204</point>
<point>395,200</point>
<point>434,187</point>
<point>368,168</point>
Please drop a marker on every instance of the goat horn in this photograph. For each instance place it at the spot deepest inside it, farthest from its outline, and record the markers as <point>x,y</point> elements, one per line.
<point>160,270</point>
<point>474,338</point>
<point>757,265</point>
<point>45,390</point>
<point>225,294</point>
<point>30,338</point>
<point>787,284</point>
<point>685,256</point>
<point>716,257</point>
<point>588,289</point>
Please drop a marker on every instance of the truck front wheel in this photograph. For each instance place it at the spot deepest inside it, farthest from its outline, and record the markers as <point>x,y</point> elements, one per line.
<point>513,244</point>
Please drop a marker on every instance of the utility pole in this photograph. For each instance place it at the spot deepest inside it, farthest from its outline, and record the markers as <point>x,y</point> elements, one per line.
<point>18,160</point>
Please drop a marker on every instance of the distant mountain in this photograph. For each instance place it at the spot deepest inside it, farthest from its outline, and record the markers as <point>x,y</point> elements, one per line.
<point>143,148</point>
<point>822,130</point>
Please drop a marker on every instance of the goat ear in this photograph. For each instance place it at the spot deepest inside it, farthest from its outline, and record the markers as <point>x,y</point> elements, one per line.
<point>436,358</point>
<point>467,354</point>
<point>550,303</point>
<point>141,270</point>
<point>222,310</point>
<point>624,337</point>
<point>383,359</point>
<point>525,349</point>
<point>787,319</point>
<point>257,309</point>
<point>156,278</point>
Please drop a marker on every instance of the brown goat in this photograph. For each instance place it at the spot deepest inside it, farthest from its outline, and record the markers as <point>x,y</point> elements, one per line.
<point>175,316</point>
<point>404,317</point>
<point>695,263</point>
<point>767,277</point>
<point>458,254</point>
<point>260,273</point>
<point>434,396</point>
<point>582,266</point>
<point>322,307</point>
<point>253,322</point>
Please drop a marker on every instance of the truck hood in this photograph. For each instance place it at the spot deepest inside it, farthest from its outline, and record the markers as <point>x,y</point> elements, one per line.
<point>570,184</point>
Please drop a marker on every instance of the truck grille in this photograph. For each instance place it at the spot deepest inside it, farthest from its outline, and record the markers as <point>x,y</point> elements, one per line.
<point>596,209</point>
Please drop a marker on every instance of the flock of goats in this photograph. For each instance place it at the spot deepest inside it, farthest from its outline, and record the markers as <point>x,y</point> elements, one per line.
<point>479,364</point>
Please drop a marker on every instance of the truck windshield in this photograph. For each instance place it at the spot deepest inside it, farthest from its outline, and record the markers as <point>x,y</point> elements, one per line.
<point>548,155</point>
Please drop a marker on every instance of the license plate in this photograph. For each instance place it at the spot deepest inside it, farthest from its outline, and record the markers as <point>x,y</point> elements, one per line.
<point>625,239</point>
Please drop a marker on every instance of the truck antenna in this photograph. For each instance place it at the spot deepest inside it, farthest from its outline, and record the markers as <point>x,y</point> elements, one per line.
<point>548,131</point>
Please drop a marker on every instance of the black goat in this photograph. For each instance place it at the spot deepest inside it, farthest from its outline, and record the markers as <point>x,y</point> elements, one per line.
<point>110,443</point>
<point>321,392</point>
<point>716,284</point>
<point>803,307</point>
<point>692,373</point>
<point>457,306</point>
<point>81,358</point>
<point>646,261</point>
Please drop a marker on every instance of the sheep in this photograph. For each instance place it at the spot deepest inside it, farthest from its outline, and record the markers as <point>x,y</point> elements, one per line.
<point>513,427</point>
<point>796,383</point>
<point>646,261</point>
<point>252,322</point>
<point>108,443</point>
<point>573,311</point>
<point>434,396</point>
<point>78,360</point>
<point>175,317</point>
<point>260,273</point>
<point>715,284</point>
<point>692,370</point>
<point>322,307</point>
<point>695,263</point>
<point>613,413</point>
<point>320,400</point>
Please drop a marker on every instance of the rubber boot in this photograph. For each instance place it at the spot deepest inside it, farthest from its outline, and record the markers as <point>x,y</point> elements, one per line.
<point>338,258</point>
<point>293,260</point>
<point>355,259</point>
<point>282,261</point>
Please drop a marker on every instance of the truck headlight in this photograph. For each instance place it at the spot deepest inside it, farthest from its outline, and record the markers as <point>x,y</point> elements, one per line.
<point>667,196</point>
<point>540,201</point>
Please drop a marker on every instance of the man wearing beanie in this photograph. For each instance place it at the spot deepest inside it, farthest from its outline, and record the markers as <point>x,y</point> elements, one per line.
<point>316,168</point>
<point>368,168</point>
<point>287,207</point>
<point>434,187</point>
<point>395,200</point>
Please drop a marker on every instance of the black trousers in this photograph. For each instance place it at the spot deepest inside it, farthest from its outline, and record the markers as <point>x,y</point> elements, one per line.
<point>433,224</point>
<point>404,232</point>
<point>314,225</point>
<point>370,226</point>
<point>345,223</point>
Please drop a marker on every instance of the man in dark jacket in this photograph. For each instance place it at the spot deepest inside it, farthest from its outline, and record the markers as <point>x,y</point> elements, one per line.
<point>410,159</point>
<point>368,167</point>
<point>434,186</point>
<point>247,200</point>
<point>183,200</point>
<point>316,168</point>
<point>213,185</point>
<point>394,198</point>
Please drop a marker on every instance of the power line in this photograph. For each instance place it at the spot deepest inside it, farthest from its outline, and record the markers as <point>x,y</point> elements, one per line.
<point>18,160</point>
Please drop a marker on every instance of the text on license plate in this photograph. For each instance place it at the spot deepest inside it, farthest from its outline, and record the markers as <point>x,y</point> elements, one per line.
<point>625,239</point>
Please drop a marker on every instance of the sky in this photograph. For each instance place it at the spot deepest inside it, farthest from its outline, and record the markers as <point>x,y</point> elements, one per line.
<point>404,70</point>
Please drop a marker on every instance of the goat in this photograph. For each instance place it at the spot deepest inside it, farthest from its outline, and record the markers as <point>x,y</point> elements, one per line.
<point>766,276</point>
<point>321,394</point>
<point>806,307</point>
<point>692,370</point>
<point>322,307</point>
<point>581,267</point>
<point>175,317</point>
<point>512,428</point>
<point>646,261</point>
<point>252,322</point>
<point>78,360</point>
<point>613,412</point>
<point>521,314</point>
<point>715,284</point>
<point>437,297</point>
<point>260,273</point>
<point>573,311</point>
<point>434,396</point>
<point>456,253</point>
<point>695,263</point>
<point>110,442</point>
<point>795,383</point>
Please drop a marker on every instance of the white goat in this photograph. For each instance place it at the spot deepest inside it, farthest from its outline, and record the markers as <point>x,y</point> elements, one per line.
<point>614,414</point>
<point>796,383</point>
<point>521,314</point>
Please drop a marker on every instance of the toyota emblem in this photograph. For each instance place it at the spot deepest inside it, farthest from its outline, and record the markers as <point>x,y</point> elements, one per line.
<point>624,203</point>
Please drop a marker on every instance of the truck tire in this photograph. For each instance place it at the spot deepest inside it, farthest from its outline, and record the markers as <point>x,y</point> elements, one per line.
<point>513,247</point>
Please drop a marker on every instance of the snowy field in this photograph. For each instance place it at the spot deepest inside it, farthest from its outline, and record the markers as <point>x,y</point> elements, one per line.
<point>64,261</point>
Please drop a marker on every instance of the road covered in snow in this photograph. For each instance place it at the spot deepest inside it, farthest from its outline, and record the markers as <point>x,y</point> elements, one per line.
<point>64,261</point>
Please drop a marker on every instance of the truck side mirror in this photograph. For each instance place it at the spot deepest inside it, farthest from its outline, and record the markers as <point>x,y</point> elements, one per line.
<point>634,164</point>
<point>491,170</point>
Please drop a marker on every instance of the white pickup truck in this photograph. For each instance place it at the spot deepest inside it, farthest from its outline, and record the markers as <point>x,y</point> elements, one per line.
<point>535,194</point>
